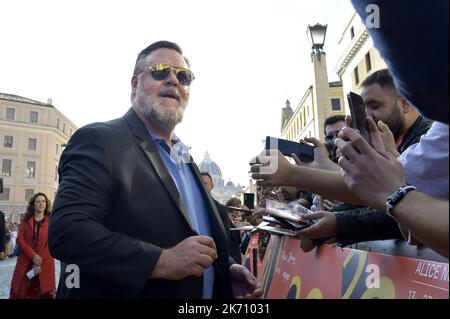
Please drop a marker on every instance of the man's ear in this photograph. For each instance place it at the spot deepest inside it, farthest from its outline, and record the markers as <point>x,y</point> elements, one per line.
<point>134,82</point>
<point>404,104</point>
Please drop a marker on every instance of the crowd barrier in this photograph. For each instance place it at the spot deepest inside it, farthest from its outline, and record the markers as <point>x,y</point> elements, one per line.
<point>332,272</point>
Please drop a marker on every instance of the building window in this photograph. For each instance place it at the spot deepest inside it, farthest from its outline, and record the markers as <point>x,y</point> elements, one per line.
<point>31,169</point>
<point>356,73</point>
<point>368,62</point>
<point>64,128</point>
<point>57,123</point>
<point>56,173</point>
<point>57,149</point>
<point>32,144</point>
<point>6,167</point>
<point>10,113</point>
<point>336,105</point>
<point>5,194</point>
<point>33,117</point>
<point>8,141</point>
<point>28,194</point>
<point>352,33</point>
<point>307,110</point>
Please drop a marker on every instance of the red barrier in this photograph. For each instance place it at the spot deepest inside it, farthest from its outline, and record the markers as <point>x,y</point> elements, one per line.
<point>333,272</point>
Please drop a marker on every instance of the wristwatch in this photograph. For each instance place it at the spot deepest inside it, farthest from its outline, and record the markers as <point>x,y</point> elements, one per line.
<point>396,197</point>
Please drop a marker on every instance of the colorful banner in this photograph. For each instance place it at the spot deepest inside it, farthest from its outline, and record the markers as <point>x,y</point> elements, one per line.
<point>333,272</point>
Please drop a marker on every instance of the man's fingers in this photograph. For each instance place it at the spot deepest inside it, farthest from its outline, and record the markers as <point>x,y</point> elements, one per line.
<point>207,251</point>
<point>348,120</point>
<point>357,141</point>
<point>345,164</point>
<point>204,260</point>
<point>384,128</point>
<point>297,160</point>
<point>314,141</point>
<point>311,232</point>
<point>312,216</point>
<point>207,241</point>
<point>375,135</point>
<point>347,149</point>
<point>388,155</point>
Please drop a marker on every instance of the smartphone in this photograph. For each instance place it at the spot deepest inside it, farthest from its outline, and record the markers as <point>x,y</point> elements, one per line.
<point>305,152</point>
<point>249,200</point>
<point>359,117</point>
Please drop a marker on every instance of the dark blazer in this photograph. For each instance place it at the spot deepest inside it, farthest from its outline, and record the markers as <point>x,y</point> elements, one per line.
<point>223,213</point>
<point>116,208</point>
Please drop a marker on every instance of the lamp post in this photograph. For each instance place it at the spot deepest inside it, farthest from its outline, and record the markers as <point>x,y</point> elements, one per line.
<point>316,35</point>
<point>321,90</point>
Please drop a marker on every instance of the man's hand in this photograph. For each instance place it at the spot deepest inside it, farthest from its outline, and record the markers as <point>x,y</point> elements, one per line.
<point>371,175</point>
<point>271,168</point>
<point>191,257</point>
<point>244,283</point>
<point>328,204</point>
<point>388,139</point>
<point>37,260</point>
<point>325,227</point>
<point>2,255</point>
<point>321,156</point>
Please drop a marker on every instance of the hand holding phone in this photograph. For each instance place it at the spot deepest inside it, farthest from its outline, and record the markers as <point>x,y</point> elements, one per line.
<point>359,117</point>
<point>305,152</point>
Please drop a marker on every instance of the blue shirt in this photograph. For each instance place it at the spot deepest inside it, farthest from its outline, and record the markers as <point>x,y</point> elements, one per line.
<point>176,161</point>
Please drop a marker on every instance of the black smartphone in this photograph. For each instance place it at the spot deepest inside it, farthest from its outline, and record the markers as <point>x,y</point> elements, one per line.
<point>249,200</point>
<point>359,117</point>
<point>305,152</point>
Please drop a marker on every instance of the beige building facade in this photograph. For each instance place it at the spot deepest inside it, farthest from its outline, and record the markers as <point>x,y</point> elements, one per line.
<point>320,101</point>
<point>359,58</point>
<point>32,137</point>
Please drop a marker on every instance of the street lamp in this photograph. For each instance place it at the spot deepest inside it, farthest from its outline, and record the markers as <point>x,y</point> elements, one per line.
<point>316,36</point>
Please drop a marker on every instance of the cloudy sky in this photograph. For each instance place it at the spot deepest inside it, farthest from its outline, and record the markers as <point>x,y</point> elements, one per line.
<point>248,57</point>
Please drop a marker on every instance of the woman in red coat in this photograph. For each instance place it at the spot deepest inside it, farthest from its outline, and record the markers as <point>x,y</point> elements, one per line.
<point>34,259</point>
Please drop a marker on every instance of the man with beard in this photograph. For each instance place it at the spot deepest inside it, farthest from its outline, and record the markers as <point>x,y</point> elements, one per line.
<point>131,210</point>
<point>385,104</point>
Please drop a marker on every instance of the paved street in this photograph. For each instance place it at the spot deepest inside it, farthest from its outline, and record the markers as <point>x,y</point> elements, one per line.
<point>6,272</point>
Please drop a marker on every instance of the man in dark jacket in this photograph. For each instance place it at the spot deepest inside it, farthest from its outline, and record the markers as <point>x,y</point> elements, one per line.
<point>131,209</point>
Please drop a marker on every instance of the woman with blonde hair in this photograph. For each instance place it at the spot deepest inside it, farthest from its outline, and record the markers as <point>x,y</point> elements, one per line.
<point>34,275</point>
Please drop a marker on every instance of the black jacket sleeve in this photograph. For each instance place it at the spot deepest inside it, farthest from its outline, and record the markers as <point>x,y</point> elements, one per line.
<point>365,224</point>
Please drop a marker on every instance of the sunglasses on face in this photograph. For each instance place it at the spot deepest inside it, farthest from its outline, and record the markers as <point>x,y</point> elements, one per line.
<point>161,71</point>
<point>330,137</point>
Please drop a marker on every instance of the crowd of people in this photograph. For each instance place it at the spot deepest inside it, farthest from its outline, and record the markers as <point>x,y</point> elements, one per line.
<point>135,214</point>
